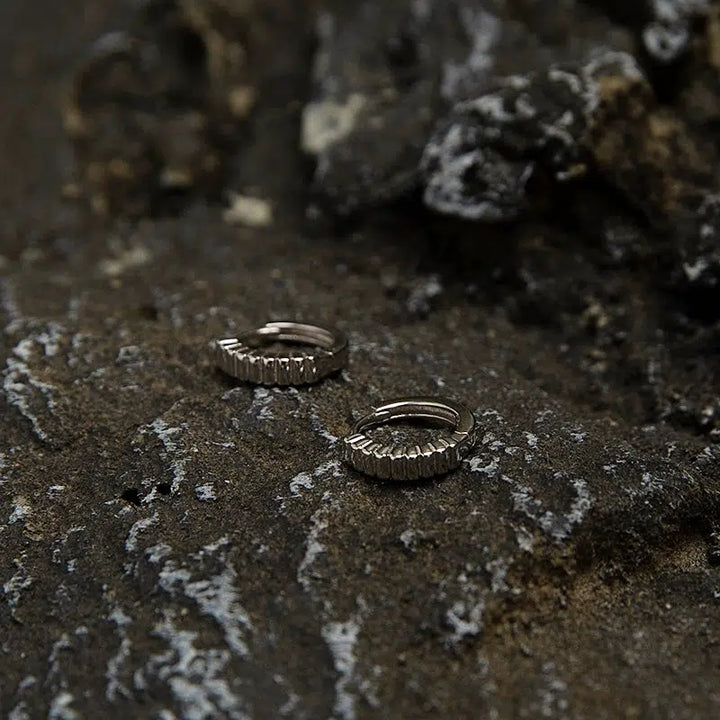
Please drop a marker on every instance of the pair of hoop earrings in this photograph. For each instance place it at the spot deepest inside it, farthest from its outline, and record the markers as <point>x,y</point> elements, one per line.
<point>249,357</point>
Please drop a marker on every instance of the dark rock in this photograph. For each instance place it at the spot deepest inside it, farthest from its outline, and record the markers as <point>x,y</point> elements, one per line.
<point>155,110</point>
<point>697,275</point>
<point>600,114</point>
<point>176,545</point>
<point>481,159</point>
<point>383,72</point>
<point>377,75</point>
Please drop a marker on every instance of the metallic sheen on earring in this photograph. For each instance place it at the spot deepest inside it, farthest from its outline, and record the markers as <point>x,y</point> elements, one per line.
<point>245,358</point>
<point>411,462</point>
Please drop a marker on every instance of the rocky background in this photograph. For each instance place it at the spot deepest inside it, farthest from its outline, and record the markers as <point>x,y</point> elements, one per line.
<point>513,203</point>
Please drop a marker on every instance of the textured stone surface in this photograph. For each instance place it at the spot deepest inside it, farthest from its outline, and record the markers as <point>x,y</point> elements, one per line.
<point>669,32</point>
<point>386,69</point>
<point>158,109</point>
<point>481,159</point>
<point>176,545</point>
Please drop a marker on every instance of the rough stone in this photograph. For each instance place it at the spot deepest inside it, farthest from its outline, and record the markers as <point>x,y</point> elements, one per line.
<point>176,545</point>
<point>384,71</point>
<point>483,156</point>
<point>154,109</point>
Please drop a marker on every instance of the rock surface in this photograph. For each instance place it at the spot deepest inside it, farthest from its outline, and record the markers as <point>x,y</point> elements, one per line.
<point>176,545</point>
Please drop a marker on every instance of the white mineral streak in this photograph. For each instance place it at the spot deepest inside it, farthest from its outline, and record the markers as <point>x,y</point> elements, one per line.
<point>21,580</point>
<point>649,483</point>
<point>571,79</point>
<point>19,712</point>
<point>302,481</point>
<point>129,355</point>
<point>60,708</point>
<point>131,542</point>
<point>50,338</point>
<point>482,465</point>
<point>173,450</point>
<point>216,596</point>
<point>694,272</point>
<point>27,682</point>
<point>483,30</point>
<point>194,676</point>
<point>581,505</point>
<point>232,394</point>
<point>329,119</point>
<point>557,526</point>
<point>21,510</point>
<point>341,638</point>
<point>479,465</point>
<point>552,697</point>
<point>290,705</point>
<point>305,480</point>
<point>22,388</point>
<point>262,401</point>
<point>446,185</point>
<point>125,259</point>
<point>498,570</point>
<point>205,493</point>
<point>380,349</point>
<point>8,302</point>
<point>249,211</point>
<point>300,485</point>
<point>423,293</point>
<point>543,415</point>
<point>316,422</point>
<point>156,553</point>
<point>525,540</point>
<point>408,538</point>
<point>465,619</point>
<point>669,34</point>
<point>62,643</point>
<point>621,63</point>
<point>326,122</point>
<point>115,686</point>
<point>313,547</point>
